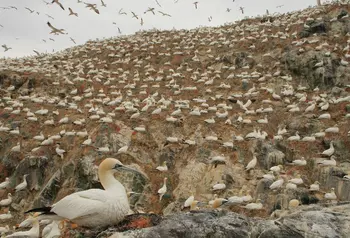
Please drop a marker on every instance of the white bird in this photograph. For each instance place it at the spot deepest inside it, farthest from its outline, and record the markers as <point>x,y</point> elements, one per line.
<point>59,151</point>
<point>34,232</point>
<point>298,180</point>
<point>328,162</point>
<point>4,229</point>
<point>276,168</point>
<point>7,201</point>
<point>162,167</point>
<point>219,186</point>
<point>189,201</point>
<point>93,207</point>
<point>123,149</point>
<point>329,151</point>
<point>294,138</point>
<point>88,141</point>
<point>254,206</point>
<point>162,190</point>
<point>315,186</point>
<point>331,195</point>
<point>291,186</point>
<point>6,216</point>
<point>5,184</point>
<point>299,162</point>
<point>52,230</point>
<point>277,184</point>
<point>22,185</point>
<point>252,163</point>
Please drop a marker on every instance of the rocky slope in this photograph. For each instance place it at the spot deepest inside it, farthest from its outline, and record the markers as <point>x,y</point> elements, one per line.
<point>269,68</point>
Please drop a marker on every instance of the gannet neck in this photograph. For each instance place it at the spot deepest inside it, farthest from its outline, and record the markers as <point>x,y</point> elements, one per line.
<point>109,182</point>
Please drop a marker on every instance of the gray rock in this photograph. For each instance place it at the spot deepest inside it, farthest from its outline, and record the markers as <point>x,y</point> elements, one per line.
<point>307,221</point>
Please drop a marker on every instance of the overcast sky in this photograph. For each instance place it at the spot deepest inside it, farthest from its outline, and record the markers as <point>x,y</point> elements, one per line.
<point>24,31</point>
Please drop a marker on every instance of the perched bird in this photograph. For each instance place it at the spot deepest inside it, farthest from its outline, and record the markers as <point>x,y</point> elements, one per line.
<point>93,207</point>
<point>315,186</point>
<point>7,201</point>
<point>277,184</point>
<point>33,232</point>
<point>22,185</point>
<point>59,151</point>
<point>162,167</point>
<point>251,164</point>
<point>254,206</point>
<point>331,195</point>
<point>162,190</point>
<point>329,151</point>
<point>5,184</point>
<point>189,201</point>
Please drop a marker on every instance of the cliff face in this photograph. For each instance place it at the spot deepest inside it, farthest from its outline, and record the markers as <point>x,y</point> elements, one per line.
<point>271,68</point>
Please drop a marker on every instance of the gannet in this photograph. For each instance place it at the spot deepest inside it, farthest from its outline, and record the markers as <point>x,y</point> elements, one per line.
<point>4,229</point>
<point>329,151</point>
<point>162,190</point>
<point>277,184</point>
<point>59,151</point>
<point>331,195</point>
<point>93,207</point>
<point>34,232</point>
<point>162,167</point>
<point>51,230</point>
<point>254,206</point>
<point>4,184</point>
<point>315,186</point>
<point>7,201</point>
<point>189,201</point>
<point>251,164</point>
<point>22,185</point>
<point>328,162</point>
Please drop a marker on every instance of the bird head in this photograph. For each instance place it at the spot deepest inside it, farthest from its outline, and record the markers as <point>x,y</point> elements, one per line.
<point>114,165</point>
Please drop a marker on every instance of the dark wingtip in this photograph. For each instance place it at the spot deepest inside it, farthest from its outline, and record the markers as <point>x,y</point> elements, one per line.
<point>43,210</point>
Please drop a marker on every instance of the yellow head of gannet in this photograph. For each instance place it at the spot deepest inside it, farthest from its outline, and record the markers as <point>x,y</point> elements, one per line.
<point>93,207</point>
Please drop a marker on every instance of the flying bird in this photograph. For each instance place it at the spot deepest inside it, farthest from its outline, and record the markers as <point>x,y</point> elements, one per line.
<point>120,32</point>
<point>228,9</point>
<point>13,7</point>
<point>58,3</point>
<point>195,5</point>
<point>54,30</point>
<point>242,9</point>
<point>103,4</point>
<point>30,10</point>
<point>51,39</point>
<point>92,7</point>
<point>164,14</point>
<point>121,12</point>
<point>150,10</point>
<point>134,15</point>
<point>50,16</point>
<point>210,18</point>
<point>6,48</point>
<point>47,3</point>
<point>36,52</point>
<point>72,40</point>
<point>141,22</point>
<point>72,13</point>
<point>158,3</point>
<point>1,25</point>
<point>44,40</point>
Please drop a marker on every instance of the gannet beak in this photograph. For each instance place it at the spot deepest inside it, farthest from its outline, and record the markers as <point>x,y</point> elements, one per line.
<point>128,169</point>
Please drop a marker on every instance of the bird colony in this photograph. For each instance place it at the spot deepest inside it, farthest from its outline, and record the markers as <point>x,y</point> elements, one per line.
<point>211,118</point>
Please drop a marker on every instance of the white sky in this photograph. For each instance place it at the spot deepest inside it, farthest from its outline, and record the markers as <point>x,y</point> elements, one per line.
<point>24,31</point>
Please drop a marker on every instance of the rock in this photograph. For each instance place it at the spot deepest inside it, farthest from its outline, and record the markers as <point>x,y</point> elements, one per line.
<point>314,27</point>
<point>303,65</point>
<point>332,221</point>
<point>342,13</point>
<point>347,107</point>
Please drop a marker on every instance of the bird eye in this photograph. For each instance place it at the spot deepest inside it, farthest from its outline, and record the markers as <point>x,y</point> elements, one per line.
<point>117,166</point>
